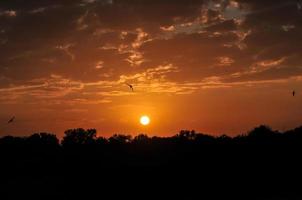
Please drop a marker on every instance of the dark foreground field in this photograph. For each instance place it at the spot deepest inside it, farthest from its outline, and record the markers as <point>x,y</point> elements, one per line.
<point>262,164</point>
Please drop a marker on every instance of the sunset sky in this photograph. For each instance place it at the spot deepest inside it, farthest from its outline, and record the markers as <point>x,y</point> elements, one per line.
<point>219,67</point>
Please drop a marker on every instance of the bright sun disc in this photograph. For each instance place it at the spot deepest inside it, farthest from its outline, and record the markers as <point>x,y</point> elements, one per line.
<point>145,120</point>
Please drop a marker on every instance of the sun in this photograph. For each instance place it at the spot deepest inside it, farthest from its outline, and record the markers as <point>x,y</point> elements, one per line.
<point>144,120</point>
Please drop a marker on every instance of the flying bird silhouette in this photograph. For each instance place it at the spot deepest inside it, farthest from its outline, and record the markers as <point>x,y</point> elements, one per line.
<point>11,120</point>
<point>130,86</point>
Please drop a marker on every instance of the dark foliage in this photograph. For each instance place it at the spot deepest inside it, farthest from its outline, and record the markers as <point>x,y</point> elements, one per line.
<point>262,164</point>
<point>79,137</point>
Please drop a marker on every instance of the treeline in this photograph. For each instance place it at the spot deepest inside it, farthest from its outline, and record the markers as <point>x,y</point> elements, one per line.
<point>80,137</point>
<point>261,164</point>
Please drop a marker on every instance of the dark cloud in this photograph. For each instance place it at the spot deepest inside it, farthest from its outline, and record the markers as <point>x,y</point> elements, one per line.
<point>194,54</point>
<point>228,25</point>
<point>91,40</point>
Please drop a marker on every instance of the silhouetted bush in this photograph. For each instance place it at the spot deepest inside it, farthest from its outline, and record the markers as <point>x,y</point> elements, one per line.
<point>43,140</point>
<point>79,137</point>
<point>120,139</point>
<point>141,139</point>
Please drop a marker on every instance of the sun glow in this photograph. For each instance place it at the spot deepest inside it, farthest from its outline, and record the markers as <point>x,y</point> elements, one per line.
<point>145,120</point>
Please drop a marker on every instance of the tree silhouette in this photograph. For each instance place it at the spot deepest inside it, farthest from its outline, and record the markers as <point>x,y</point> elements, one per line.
<point>141,139</point>
<point>79,137</point>
<point>263,135</point>
<point>120,139</point>
<point>42,140</point>
<point>186,135</point>
<point>11,141</point>
<point>189,161</point>
<point>261,131</point>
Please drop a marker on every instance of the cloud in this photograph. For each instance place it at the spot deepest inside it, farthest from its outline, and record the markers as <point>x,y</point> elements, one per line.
<point>168,28</point>
<point>161,47</point>
<point>8,13</point>
<point>66,49</point>
<point>99,65</point>
<point>225,61</point>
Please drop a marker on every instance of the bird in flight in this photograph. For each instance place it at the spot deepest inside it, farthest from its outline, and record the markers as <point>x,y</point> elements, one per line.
<point>130,86</point>
<point>11,120</point>
<point>294,93</point>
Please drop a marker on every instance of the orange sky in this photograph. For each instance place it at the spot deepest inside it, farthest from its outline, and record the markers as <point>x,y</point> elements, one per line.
<point>219,67</point>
